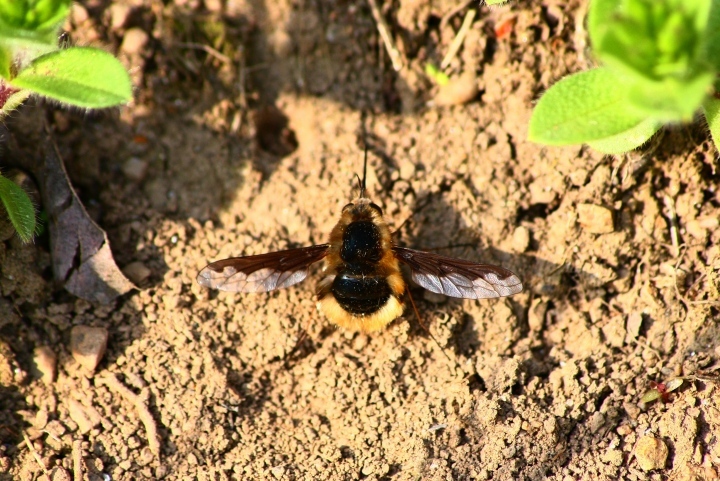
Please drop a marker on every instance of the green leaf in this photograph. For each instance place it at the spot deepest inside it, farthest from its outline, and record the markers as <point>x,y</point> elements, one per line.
<point>5,62</point>
<point>33,15</point>
<point>583,107</point>
<point>711,108</point>
<point>628,140</point>
<point>712,39</point>
<point>81,76</point>
<point>653,39</point>
<point>600,13</point>
<point>19,208</point>
<point>670,100</point>
<point>495,2</point>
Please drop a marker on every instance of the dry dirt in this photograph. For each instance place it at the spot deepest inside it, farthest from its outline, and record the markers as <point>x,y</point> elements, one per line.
<point>249,116</point>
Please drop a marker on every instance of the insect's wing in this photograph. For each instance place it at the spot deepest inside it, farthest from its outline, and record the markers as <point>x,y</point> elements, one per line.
<point>261,273</point>
<point>457,277</point>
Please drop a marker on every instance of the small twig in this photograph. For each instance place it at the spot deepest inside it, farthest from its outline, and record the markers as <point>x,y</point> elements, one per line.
<point>143,412</point>
<point>674,238</point>
<point>384,30</point>
<point>35,454</point>
<point>459,38</point>
<point>77,460</point>
<point>207,49</point>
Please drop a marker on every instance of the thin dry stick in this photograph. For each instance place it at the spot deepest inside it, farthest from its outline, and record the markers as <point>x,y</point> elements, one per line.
<point>670,205</point>
<point>384,30</point>
<point>143,412</point>
<point>35,454</point>
<point>459,38</point>
<point>207,49</point>
<point>77,460</point>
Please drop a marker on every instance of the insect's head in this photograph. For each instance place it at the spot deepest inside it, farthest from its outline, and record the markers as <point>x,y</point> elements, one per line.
<point>362,206</point>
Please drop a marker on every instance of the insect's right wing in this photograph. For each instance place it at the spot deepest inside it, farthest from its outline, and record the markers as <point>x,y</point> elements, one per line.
<point>263,272</point>
<point>458,277</point>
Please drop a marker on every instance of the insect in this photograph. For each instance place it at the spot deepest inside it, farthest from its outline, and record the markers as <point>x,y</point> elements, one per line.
<point>362,287</point>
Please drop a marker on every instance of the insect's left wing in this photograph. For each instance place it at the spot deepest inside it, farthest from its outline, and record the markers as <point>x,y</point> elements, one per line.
<point>457,277</point>
<point>263,272</point>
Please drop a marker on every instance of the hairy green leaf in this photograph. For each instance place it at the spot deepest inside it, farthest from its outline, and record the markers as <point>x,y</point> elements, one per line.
<point>712,40</point>
<point>654,39</point>
<point>628,140</point>
<point>583,107</point>
<point>19,208</point>
<point>670,100</point>
<point>5,62</point>
<point>33,15</point>
<point>600,14</point>
<point>711,108</point>
<point>81,76</point>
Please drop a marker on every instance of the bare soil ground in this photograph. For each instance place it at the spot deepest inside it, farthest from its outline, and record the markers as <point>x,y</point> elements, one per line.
<point>248,116</point>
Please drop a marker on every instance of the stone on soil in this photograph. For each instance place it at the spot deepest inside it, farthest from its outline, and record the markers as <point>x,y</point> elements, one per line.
<point>595,219</point>
<point>651,453</point>
<point>88,345</point>
<point>46,362</point>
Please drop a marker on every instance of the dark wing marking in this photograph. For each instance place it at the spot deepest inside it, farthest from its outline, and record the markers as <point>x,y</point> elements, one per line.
<point>457,277</point>
<point>261,273</point>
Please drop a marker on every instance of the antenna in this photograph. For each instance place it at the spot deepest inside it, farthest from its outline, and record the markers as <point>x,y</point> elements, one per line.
<point>362,184</point>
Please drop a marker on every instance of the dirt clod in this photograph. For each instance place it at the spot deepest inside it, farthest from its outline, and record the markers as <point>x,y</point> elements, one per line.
<point>135,169</point>
<point>88,345</point>
<point>134,41</point>
<point>458,90</point>
<point>595,219</point>
<point>46,362</point>
<point>137,272</point>
<point>651,453</point>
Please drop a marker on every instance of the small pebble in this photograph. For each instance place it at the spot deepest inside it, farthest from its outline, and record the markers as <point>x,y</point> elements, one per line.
<point>78,414</point>
<point>41,419</point>
<point>595,218</point>
<point>46,362</point>
<point>277,472</point>
<point>614,457</point>
<point>536,314</point>
<point>651,453</point>
<point>79,14</point>
<point>58,473</point>
<point>88,345</point>
<point>596,421</point>
<point>578,177</point>
<point>135,169</point>
<point>624,430</point>
<point>134,41</point>
<point>698,228</point>
<point>458,90</point>
<point>521,239</point>
<point>119,14</point>
<point>136,272</point>
<point>632,326</point>
<point>55,428</point>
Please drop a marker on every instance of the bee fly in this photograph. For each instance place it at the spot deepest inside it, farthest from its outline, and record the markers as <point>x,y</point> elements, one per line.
<point>362,287</point>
